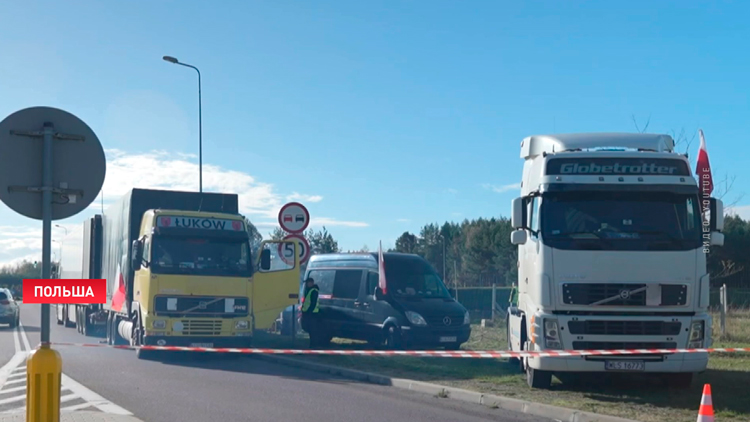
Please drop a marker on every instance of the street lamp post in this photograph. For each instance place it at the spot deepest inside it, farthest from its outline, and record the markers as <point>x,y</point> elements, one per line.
<point>200,119</point>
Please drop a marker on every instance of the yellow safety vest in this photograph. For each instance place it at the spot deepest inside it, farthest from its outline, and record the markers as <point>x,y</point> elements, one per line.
<point>308,299</point>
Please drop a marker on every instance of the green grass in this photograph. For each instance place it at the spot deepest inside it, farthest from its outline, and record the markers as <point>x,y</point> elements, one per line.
<point>643,398</point>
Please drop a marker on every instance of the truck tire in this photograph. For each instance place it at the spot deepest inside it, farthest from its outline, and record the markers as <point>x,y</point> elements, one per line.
<point>66,317</point>
<point>538,379</point>
<point>680,381</point>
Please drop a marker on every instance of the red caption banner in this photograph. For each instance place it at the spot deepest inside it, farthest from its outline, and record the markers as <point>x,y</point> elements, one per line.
<point>54,291</point>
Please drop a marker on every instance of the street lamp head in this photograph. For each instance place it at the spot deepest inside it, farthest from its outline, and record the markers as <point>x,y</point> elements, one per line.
<point>170,59</point>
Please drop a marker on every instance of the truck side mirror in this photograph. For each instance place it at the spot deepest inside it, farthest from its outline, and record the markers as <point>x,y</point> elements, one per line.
<point>717,215</point>
<point>518,216</point>
<point>717,239</point>
<point>518,237</point>
<point>379,295</point>
<point>265,260</point>
<point>136,255</point>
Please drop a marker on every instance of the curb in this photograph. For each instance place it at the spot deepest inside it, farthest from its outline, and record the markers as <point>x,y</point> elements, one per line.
<point>489,400</point>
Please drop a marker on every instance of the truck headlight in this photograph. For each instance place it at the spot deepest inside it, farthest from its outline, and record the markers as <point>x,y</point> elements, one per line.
<point>415,318</point>
<point>159,324</point>
<point>467,318</point>
<point>552,334</point>
<point>697,332</point>
<point>241,325</point>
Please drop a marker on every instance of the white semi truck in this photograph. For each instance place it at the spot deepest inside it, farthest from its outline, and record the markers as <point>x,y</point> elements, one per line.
<point>612,233</point>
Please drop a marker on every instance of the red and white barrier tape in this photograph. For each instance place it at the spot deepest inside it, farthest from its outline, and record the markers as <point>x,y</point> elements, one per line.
<point>419,353</point>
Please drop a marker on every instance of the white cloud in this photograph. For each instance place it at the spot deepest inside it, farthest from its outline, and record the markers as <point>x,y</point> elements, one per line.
<point>297,197</point>
<point>502,189</point>
<point>452,191</point>
<point>330,222</point>
<point>259,201</point>
<point>403,220</point>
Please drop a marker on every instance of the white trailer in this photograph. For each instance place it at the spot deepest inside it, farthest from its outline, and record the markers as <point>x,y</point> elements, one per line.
<point>612,248</point>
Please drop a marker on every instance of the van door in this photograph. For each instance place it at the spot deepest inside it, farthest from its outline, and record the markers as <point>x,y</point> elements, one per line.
<point>346,289</point>
<point>275,288</point>
<point>369,307</point>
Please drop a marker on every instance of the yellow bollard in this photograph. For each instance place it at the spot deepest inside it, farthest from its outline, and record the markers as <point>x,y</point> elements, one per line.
<point>43,385</point>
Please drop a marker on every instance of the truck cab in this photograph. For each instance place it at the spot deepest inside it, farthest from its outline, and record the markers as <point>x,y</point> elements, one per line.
<point>612,233</point>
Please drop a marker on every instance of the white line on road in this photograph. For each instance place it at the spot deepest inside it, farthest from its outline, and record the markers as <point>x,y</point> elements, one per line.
<point>8,368</point>
<point>16,343</point>
<point>24,337</point>
<point>100,402</point>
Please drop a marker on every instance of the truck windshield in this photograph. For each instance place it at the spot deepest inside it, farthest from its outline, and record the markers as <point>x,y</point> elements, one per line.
<point>409,277</point>
<point>200,256</point>
<point>621,221</point>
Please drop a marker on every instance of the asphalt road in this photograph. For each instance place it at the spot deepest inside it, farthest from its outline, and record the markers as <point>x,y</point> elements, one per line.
<point>193,387</point>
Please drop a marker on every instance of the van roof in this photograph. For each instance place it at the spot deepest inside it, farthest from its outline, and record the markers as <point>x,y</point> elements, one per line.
<point>363,257</point>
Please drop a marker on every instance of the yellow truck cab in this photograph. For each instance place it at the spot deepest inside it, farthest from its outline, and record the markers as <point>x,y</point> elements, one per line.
<point>181,271</point>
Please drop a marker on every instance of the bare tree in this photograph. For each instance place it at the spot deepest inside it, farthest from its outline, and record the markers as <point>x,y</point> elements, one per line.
<point>723,187</point>
<point>728,269</point>
<point>635,123</point>
<point>681,138</point>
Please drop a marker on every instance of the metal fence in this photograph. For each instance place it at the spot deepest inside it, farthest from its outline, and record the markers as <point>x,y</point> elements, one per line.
<point>478,300</point>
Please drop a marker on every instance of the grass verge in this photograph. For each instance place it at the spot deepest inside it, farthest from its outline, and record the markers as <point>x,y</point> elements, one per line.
<point>643,398</point>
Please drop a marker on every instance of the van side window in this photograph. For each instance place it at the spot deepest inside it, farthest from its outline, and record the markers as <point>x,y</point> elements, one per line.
<point>324,280</point>
<point>346,284</point>
<point>372,283</point>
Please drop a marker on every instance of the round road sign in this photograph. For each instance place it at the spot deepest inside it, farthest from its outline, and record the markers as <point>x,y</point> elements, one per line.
<point>294,217</point>
<point>286,251</point>
<point>77,163</point>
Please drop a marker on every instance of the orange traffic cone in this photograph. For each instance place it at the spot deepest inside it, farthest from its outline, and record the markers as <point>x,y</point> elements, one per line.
<point>706,411</point>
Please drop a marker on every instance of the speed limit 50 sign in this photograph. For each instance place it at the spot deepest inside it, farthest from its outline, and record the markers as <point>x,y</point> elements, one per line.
<point>286,250</point>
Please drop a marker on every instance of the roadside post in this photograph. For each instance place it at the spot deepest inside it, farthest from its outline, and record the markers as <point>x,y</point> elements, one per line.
<point>29,139</point>
<point>294,219</point>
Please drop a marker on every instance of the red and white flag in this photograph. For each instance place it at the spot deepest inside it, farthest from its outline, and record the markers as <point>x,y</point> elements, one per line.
<point>703,169</point>
<point>381,269</point>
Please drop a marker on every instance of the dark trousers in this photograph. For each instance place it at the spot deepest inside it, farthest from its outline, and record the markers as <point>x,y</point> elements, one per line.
<point>311,324</point>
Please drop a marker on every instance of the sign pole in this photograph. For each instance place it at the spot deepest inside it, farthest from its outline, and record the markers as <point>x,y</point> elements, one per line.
<point>46,220</point>
<point>44,365</point>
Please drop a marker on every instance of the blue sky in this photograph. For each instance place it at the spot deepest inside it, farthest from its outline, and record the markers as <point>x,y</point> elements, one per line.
<point>382,116</point>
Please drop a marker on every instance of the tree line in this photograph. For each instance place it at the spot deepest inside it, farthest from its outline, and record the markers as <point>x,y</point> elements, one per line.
<point>477,252</point>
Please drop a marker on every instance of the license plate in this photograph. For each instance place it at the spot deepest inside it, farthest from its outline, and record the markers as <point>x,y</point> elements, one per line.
<point>447,339</point>
<point>201,345</point>
<point>624,365</point>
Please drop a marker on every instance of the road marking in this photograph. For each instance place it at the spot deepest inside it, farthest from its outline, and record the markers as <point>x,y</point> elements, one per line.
<point>13,380</point>
<point>25,339</point>
<point>16,343</point>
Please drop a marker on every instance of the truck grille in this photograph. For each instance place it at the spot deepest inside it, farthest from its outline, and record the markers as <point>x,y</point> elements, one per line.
<point>621,345</point>
<point>590,293</point>
<point>201,306</point>
<point>200,327</point>
<point>623,328</point>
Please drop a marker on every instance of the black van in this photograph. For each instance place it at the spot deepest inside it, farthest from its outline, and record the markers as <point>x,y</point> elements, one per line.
<point>417,311</point>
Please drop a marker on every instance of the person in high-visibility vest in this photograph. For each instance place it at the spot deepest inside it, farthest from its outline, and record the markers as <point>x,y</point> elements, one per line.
<point>311,312</point>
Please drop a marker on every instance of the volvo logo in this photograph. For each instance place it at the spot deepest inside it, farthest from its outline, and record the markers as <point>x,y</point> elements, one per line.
<point>202,305</point>
<point>624,294</point>
<point>447,321</point>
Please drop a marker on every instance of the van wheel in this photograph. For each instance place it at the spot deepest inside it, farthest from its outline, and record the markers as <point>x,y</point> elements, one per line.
<point>538,379</point>
<point>393,338</point>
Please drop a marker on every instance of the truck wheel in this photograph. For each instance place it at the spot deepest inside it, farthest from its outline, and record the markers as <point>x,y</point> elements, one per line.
<point>538,379</point>
<point>66,317</point>
<point>680,381</point>
<point>512,361</point>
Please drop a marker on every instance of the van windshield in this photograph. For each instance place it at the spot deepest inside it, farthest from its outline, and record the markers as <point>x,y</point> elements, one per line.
<point>409,277</point>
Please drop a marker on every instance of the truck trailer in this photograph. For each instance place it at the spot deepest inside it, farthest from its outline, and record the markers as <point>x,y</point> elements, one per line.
<point>612,233</point>
<point>181,271</point>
